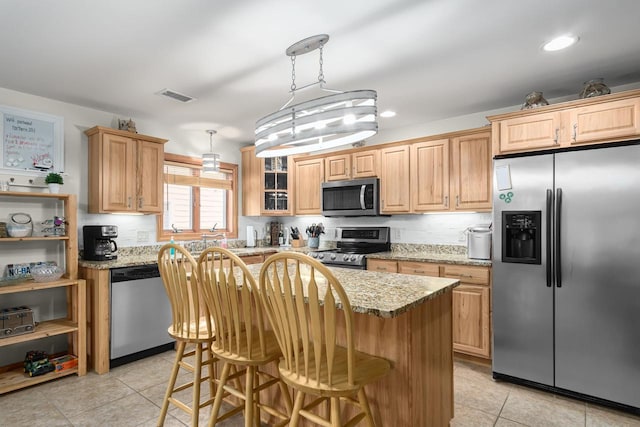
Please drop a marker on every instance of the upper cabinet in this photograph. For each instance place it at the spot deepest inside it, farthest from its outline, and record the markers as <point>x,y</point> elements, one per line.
<point>361,164</point>
<point>607,118</point>
<point>266,184</point>
<point>309,175</point>
<point>394,179</point>
<point>125,172</point>
<point>452,174</point>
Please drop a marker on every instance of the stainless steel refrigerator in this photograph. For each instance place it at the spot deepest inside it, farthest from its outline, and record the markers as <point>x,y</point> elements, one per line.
<point>566,272</point>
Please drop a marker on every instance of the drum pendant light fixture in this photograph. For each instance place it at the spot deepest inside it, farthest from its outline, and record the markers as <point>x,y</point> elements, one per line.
<point>211,160</point>
<point>330,121</point>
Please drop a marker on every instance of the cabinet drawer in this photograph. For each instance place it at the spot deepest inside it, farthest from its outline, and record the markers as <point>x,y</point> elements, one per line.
<point>418,268</point>
<point>385,265</point>
<point>467,274</point>
<point>252,259</point>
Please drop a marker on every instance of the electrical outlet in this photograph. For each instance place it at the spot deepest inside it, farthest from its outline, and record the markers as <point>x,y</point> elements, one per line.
<point>397,235</point>
<point>142,237</point>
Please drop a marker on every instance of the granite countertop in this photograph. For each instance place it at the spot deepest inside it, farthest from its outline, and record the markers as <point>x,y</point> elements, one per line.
<point>384,294</point>
<point>128,257</point>
<point>437,257</point>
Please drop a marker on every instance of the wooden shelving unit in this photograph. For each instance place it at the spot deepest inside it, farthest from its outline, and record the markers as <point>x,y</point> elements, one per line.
<point>74,324</point>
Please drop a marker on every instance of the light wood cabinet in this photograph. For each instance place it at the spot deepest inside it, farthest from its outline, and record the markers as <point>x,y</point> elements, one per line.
<point>383,265</point>
<point>471,300</point>
<point>125,172</point>
<point>266,184</point>
<point>430,176</point>
<point>452,174</point>
<point>360,164</point>
<point>607,118</point>
<point>471,172</point>
<point>395,179</point>
<point>471,309</point>
<point>309,175</point>
<point>74,324</point>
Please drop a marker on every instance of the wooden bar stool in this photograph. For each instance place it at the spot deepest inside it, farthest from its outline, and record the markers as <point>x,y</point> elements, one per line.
<point>192,325</point>
<point>242,341</point>
<point>314,364</point>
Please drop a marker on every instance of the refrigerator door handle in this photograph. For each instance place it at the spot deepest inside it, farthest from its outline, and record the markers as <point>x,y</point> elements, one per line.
<point>558,263</point>
<point>549,237</point>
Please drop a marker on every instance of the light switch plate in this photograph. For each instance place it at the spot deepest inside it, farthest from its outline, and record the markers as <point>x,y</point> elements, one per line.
<point>142,237</point>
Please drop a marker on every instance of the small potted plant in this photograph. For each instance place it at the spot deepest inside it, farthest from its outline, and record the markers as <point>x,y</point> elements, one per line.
<point>54,181</point>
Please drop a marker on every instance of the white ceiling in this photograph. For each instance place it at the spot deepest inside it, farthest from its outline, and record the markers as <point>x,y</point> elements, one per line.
<point>427,59</point>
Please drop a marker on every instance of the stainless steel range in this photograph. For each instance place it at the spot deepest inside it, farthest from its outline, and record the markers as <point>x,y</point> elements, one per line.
<point>353,245</point>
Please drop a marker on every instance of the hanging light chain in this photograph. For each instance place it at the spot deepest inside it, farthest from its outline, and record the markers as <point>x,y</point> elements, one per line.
<point>321,72</point>
<point>293,73</point>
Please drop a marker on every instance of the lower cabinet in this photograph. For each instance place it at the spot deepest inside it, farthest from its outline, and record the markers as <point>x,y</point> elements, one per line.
<point>471,300</point>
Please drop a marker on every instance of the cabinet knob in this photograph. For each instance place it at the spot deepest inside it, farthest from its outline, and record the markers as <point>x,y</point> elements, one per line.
<point>575,131</point>
<point>129,202</point>
<point>140,202</point>
<point>446,201</point>
<point>457,200</point>
<point>555,139</point>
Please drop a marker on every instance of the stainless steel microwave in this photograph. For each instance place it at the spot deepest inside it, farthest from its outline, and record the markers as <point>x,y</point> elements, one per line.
<point>358,197</point>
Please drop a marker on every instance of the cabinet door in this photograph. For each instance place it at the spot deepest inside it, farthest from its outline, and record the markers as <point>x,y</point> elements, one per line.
<point>365,164</point>
<point>419,268</point>
<point>394,179</point>
<point>150,172</point>
<point>528,133</point>
<point>430,176</point>
<point>251,186</point>
<point>606,121</point>
<point>308,179</point>
<point>338,167</point>
<point>471,316</point>
<point>471,176</point>
<point>383,265</point>
<point>119,174</point>
<point>276,194</point>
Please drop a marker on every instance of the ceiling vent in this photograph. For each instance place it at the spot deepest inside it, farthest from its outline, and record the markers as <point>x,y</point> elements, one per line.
<point>175,95</point>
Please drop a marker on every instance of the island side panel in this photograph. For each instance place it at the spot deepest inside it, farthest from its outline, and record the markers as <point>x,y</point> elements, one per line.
<point>419,389</point>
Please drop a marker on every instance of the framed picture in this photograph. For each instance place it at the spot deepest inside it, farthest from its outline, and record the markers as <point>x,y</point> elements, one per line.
<point>32,142</point>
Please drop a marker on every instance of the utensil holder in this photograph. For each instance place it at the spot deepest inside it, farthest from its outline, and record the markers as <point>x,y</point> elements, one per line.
<point>314,242</point>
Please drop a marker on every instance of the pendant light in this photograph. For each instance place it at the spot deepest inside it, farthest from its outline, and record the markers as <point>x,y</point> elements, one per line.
<point>330,121</point>
<point>211,160</point>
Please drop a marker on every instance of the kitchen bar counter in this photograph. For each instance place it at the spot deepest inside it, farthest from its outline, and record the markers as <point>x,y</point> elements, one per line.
<point>407,320</point>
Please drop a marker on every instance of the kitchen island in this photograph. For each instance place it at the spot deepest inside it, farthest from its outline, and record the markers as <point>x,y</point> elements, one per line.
<point>406,319</point>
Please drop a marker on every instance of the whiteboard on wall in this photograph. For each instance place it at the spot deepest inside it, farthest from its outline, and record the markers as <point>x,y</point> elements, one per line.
<point>32,142</point>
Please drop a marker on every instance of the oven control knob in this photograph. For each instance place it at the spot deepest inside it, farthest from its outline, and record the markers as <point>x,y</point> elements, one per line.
<point>333,256</point>
<point>345,257</point>
<point>353,257</point>
<point>320,256</point>
<point>313,255</point>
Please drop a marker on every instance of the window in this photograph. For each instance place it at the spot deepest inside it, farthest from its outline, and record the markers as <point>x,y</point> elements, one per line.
<point>195,202</point>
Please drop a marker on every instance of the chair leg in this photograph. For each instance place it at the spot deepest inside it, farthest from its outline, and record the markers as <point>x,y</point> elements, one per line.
<point>295,413</point>
<point>256,397</point>
<point>172,381</point>
<point>335,412</point>
<point>217,403</point>
<point>212,371</point>
<point>364,405</point>
<point>197,373</point>
<point>248,404</point>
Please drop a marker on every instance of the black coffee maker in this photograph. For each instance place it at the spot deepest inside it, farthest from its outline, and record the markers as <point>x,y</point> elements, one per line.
<point>98,243</point>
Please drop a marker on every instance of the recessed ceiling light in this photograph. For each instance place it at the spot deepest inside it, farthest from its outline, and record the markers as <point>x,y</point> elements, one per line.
<point>561,42</point>
<point>388,113</point>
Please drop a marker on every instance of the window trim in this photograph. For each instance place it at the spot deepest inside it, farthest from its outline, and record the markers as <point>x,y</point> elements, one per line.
<point>231,231</point>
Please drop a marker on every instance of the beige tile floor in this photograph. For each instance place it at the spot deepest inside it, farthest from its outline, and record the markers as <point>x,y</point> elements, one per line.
<point>131,395</point>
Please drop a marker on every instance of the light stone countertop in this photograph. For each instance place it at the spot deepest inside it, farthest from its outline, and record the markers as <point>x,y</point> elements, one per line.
<point>436,257</point>
<point>384,294</point>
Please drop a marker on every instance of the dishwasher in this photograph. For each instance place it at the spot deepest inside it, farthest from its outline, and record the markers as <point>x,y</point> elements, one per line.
<point>140,314</point>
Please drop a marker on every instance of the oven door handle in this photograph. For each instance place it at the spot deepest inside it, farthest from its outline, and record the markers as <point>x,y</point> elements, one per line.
<point>362,189</point>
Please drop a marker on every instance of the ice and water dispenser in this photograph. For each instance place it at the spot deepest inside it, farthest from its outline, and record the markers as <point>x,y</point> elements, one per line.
<point>521,237</point>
